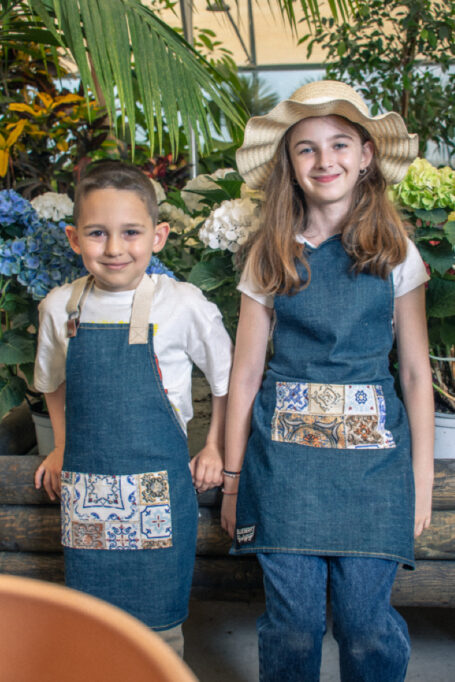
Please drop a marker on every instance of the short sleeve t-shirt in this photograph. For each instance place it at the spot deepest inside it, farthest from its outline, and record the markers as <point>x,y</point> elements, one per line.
<point>406,276</point>
<point>187,329</point>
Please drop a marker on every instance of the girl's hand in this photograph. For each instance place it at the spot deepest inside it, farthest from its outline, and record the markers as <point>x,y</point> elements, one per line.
<point>48,473</point>
<point>206,468</point>
<point>228,513</point>
<point>423,492</point>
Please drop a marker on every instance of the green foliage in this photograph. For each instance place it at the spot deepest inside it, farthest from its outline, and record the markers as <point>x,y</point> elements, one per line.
<point>426,198</point>
<point>398,54</point>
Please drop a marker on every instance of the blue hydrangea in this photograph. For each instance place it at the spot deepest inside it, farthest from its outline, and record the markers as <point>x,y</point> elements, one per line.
<point>39,255</point>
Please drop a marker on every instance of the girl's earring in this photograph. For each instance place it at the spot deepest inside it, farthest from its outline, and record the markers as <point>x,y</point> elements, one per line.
<point>362,171</point>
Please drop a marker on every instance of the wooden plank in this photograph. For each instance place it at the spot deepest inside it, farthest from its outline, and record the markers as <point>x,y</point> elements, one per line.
<point>16,480</point>
<point>17,487</point>
<point>438,541</point>
<point>33,565</point>
<point>34,528</point>
<point>444,484</point>
<point>239,578</point>
<point>431,584</point>
<point>17,432</point>
<point>30,529</point>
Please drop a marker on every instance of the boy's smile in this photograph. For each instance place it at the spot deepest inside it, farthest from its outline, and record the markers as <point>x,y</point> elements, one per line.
<point>116,237</point>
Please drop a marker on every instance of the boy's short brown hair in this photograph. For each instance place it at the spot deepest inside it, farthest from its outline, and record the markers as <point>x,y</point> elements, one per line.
<point>117,175</point>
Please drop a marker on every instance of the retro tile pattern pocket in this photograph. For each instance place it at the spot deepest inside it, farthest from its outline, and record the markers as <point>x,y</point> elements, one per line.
<point>116,512</point>
<point>340,416</point>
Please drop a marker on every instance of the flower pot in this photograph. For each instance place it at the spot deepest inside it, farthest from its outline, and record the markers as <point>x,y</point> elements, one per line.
<point>44,433</point>
<point>444,441</point>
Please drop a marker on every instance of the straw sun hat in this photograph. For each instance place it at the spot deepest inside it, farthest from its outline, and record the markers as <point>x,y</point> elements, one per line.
<point>396,148</point>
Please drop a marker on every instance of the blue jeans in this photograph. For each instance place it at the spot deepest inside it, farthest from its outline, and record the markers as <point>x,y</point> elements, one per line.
<point>372,637</point>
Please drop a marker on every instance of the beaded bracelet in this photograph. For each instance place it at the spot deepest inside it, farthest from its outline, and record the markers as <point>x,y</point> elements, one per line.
<point>231,474</point>
<point>226,493</point>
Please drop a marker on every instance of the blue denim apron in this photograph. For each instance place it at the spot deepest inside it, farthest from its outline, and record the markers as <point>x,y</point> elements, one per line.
<point>327,469</point>
<point>129,510</point>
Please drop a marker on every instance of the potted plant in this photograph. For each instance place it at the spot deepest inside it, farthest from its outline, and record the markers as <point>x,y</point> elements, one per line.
<point>35,257</point>
<point>426,198</point>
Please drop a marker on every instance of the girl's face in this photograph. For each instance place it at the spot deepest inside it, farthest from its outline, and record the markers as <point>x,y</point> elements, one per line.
<point>116,237</point>
<point>327,155</point>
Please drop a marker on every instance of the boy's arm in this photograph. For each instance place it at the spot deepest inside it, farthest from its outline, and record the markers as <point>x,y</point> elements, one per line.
<point>416,385</point>
<point>48,473</point>
<point>207,466</point>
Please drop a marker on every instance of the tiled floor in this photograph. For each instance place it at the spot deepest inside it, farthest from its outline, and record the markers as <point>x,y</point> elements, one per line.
<point>220,643</point>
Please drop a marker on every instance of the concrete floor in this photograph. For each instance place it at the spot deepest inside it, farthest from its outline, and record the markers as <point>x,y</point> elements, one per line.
<point>220,643</point>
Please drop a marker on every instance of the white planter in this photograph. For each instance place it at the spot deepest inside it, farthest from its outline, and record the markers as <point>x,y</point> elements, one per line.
<point>44,433</point>
<point>444,435</point>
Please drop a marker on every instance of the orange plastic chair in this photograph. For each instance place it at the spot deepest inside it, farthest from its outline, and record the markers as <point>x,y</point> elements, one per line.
<point>50,633</point>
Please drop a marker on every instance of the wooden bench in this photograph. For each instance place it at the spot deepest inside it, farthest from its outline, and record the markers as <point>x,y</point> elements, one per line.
<point>30,532</point>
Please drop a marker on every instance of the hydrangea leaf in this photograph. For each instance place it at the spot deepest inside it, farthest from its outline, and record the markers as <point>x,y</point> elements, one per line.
<point>440,257</point>
<point>207,275</point>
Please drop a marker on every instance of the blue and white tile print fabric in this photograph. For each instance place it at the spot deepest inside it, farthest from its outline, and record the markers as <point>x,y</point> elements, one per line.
<point>116,512</point>
<point>350,416</point>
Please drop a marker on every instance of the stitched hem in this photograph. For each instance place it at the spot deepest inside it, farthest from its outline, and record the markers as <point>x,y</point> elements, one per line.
<point>168,626</point>
<point>407,562</point>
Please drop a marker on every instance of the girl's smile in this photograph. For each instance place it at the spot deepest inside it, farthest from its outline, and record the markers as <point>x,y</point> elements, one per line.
<point>327,156</point>
<point>116,237</point>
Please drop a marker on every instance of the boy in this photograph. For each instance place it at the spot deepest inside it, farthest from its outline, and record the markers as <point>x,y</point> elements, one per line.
<point>114,360</point>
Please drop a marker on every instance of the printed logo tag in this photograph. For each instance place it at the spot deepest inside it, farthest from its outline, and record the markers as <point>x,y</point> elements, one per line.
<point>245,534</point>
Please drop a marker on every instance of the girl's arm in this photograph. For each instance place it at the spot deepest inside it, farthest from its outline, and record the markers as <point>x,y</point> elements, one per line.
<point>207,465</point>
<point>48,473</point>
<point>249,358</point>
<point>416,384</point>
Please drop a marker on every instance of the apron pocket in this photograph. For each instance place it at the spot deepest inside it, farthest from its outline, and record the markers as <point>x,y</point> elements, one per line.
<point>343,416</point>
<point>112,512</point>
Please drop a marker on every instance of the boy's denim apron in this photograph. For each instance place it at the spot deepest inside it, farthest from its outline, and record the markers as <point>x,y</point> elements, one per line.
<point>129,510</point>
<point>328,469</point>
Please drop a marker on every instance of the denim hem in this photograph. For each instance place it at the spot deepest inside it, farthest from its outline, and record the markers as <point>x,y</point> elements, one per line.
<point>168,626</point>
<point>406,561</point>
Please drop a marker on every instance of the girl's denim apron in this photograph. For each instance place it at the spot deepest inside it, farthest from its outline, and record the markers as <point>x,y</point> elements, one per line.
<point>129,510</point>
<point>328,469</point>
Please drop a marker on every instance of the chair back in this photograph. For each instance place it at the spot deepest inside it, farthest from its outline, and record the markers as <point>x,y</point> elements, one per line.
<point>50,633</point>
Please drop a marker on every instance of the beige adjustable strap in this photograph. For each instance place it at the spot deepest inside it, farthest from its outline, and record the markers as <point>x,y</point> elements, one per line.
<point>140,314</point>
<point>80,291</point>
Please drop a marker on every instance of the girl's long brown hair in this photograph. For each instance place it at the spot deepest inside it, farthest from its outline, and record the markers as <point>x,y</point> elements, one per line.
<point>372,233</point>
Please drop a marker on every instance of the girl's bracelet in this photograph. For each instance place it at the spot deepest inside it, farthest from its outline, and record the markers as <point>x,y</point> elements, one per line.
<point>231,474</point>
<point>226,493</point>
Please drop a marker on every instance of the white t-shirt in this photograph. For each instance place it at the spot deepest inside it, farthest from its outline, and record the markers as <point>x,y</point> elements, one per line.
<point>406,276</point>
<point>187,329</point>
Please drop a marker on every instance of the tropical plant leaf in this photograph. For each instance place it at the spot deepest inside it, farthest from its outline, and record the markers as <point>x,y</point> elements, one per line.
<point>16,347</point>
<point>12,393</point>
<point>441,297</point>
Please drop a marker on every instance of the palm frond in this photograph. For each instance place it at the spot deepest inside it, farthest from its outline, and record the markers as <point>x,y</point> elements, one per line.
<point>116,41</point>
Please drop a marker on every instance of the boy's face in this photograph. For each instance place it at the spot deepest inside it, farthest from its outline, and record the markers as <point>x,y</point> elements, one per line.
<point>116,237</point>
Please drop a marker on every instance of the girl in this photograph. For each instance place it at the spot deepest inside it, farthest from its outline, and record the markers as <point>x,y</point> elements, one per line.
<point>114,360</point>
<point>326,490</point>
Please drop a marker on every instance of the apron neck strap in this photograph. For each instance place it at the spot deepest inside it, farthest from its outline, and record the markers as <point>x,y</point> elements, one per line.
<point>140,313</point>
<point>81,288</point>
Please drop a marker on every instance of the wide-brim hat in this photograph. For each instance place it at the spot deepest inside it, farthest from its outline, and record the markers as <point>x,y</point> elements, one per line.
<point>396,148</point>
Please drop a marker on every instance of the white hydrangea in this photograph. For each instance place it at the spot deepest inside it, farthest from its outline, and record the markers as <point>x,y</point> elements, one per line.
<point>230,224</point>
<point>53,206</point>
<point>177,219</point>
<point>192,199</point>
<point>159,191</point>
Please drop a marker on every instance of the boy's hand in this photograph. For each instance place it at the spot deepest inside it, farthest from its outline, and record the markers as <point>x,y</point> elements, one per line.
<point>206,468</point>
<point>48,473</point>
<point>228,513</point>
